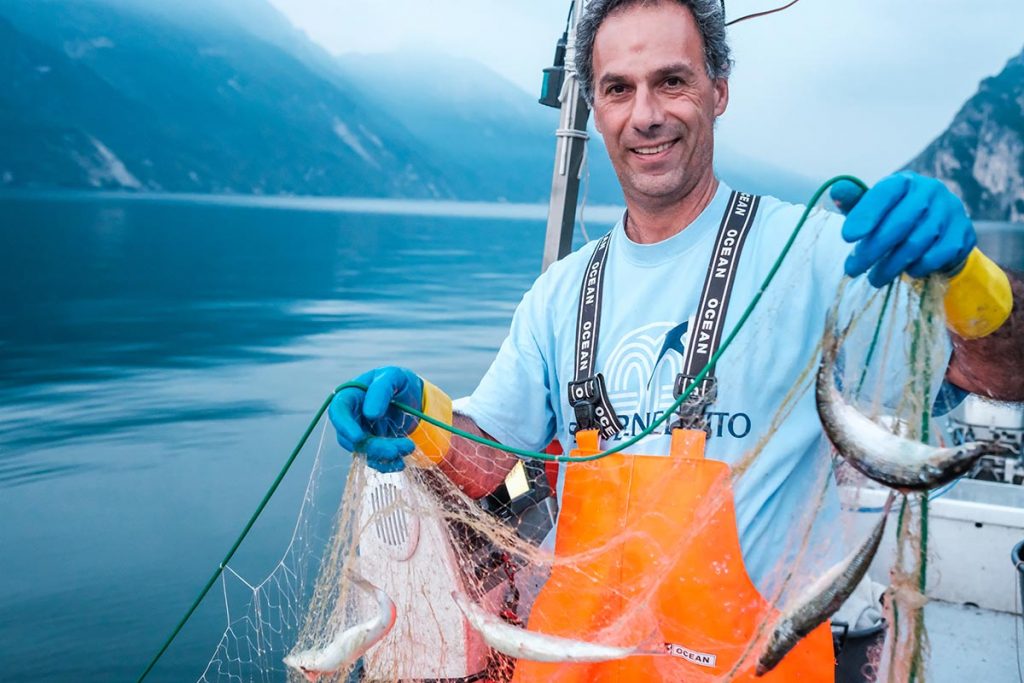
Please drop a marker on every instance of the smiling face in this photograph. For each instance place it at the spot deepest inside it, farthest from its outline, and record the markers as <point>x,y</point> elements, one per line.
<point>654,102</point>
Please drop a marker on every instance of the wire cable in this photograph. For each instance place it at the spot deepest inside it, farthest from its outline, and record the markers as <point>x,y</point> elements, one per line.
<point>759,14</point>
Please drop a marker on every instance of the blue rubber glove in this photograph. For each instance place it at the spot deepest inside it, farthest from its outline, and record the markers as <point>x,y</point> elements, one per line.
<point>365,421</point>
<point>907,223</point>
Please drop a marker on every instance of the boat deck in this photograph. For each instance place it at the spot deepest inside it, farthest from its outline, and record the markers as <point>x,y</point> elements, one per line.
<point>972,645</point>
<point>972,584</point>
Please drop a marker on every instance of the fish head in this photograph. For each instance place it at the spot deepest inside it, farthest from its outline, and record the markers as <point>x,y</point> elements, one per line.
<point>1000,449</point>
<point>300,662</point>
<point>969,453</point>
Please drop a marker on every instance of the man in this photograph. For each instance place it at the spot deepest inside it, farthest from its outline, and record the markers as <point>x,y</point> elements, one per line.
<point>656,75</point>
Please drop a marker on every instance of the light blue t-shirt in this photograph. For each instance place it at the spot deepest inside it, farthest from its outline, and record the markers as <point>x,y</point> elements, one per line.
<point>651,294</point>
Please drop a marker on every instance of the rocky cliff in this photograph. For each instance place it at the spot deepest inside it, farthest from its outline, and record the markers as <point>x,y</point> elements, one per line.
<point>123,94</point>
<point>981,155</point>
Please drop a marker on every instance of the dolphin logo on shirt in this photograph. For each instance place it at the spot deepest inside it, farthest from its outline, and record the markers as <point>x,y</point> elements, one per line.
<point>673,342</point>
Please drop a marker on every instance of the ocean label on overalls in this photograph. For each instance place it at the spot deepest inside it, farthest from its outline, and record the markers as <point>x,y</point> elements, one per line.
<point>700,658</point>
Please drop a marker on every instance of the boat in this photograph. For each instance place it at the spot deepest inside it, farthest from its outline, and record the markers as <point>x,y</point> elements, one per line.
<point>974,568</point>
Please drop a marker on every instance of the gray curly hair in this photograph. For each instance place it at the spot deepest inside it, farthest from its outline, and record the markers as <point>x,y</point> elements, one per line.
<point>710,17</point>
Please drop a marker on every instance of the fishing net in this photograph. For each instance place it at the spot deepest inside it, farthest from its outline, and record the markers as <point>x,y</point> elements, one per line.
<point>263,615</point>
<point>895,381</point>
<point>459,571</point>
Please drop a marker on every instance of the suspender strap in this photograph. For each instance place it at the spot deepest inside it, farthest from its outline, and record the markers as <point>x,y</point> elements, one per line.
<point>588,318</point>
<point>588,395</point>
<point>706,332</point>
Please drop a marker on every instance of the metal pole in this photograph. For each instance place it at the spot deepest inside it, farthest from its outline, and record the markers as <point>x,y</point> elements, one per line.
<point>570,151</point>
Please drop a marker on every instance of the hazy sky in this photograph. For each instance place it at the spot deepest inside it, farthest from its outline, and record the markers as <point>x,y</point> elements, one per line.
<point>857,86</point>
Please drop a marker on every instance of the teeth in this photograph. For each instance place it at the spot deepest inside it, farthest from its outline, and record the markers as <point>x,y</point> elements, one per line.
<point>653,150</point>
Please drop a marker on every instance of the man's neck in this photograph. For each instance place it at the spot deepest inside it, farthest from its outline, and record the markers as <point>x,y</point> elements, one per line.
<point>648,222</point>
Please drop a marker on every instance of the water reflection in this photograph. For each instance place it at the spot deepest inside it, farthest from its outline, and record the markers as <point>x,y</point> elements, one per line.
<point>95,292</point>
<point>94,289</point>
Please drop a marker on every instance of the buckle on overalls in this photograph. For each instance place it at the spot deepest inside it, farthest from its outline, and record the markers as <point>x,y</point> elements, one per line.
<point>691,411</point>
<point>589,400</point>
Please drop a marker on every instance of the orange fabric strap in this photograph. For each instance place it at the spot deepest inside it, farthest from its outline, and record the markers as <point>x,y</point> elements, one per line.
<point>688,443</point>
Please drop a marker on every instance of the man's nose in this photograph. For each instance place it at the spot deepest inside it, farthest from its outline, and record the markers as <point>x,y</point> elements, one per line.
<point>647,113</point>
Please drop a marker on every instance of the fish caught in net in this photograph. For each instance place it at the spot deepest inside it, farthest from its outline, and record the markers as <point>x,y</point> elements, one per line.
<point>418,582</point>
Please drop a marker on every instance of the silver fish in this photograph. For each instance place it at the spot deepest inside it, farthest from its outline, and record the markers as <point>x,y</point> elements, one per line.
<point>891,460</point>
<point>821,599</point>
<point>537,647</point>
<point>348,644</point>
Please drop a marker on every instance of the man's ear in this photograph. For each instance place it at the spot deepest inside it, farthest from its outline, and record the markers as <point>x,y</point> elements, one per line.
<point>721,95</point>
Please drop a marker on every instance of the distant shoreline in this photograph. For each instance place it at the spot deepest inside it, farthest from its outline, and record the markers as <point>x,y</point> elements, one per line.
<point>394,206</point>
<point>371,205</point>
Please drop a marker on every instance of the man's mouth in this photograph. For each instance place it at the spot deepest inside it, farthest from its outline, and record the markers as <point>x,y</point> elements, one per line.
<point>656,149</point>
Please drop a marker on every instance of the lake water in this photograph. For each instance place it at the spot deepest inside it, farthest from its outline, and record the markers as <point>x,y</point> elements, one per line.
<point>158,361</point>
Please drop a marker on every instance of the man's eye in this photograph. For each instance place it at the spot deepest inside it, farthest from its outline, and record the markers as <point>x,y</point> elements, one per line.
<point>617,89</point>
<point>674,82</point>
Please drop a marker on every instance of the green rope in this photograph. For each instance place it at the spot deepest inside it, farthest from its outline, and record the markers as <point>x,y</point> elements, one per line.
<point>874,337</point>
<point>917,663</point>
<point>922,377</point>
<point>926,414</point>
<point>241,537</point>
<point>522,453</point>
<point>922,579</point>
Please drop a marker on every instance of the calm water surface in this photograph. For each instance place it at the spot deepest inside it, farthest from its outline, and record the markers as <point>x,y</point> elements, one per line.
<point>158,362</point>
<point>159,359</point>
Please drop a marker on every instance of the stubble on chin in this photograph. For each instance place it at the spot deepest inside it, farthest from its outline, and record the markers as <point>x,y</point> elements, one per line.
<point>657,191</point>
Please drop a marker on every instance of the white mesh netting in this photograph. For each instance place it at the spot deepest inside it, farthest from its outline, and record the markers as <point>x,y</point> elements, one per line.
<point>379,598</point>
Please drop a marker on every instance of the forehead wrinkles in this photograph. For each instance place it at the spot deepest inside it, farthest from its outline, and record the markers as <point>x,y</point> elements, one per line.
<point>636,42</point>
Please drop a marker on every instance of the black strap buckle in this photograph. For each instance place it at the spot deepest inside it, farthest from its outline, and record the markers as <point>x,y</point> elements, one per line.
<point>589,400</point>
<point>691,411</point>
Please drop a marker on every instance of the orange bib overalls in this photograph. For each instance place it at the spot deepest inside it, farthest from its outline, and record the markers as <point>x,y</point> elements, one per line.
<point>656,559</point>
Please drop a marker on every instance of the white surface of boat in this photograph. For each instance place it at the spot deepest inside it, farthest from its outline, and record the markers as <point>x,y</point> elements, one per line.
<point>973,619</point>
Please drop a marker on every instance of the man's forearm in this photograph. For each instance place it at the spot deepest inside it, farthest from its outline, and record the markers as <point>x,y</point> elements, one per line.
<point>474,468</point>
<point>993,366</point>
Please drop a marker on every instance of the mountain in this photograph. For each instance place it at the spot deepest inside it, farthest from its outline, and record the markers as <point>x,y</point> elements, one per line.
<point>40,143</point>
<point>981,155</point>
<point>140,95</point>
<point>226,96</point>
<point>475,123</point>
